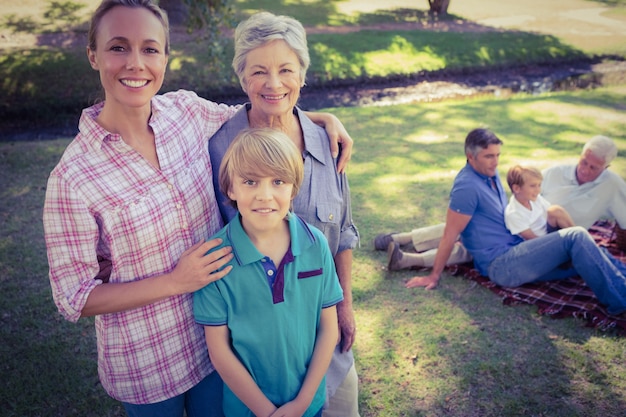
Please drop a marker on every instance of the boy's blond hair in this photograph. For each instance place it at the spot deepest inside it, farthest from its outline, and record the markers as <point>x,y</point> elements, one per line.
<point>517,173</point>
<point>261,152</point>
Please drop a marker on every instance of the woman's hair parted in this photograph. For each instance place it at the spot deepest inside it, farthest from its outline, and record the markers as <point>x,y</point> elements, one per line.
<point>261,152</point>
<point>107,5</point>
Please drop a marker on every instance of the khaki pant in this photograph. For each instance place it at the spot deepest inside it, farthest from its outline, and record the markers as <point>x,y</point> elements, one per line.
<point>345,403</point>
<point>426,240</point>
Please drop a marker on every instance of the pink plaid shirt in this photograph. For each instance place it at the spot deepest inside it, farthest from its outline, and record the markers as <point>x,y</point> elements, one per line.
<point>105,200</point>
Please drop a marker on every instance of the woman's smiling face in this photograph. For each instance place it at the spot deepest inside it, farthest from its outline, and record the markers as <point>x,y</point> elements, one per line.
<point>273,78</point>
<point>130,55</point>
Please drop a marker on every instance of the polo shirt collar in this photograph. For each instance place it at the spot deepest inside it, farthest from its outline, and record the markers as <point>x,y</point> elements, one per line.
<point>486,179</point>
<point>570,175</point>
<point>246,253</point>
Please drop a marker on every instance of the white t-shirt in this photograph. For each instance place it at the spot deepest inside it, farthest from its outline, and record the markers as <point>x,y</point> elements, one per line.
<point>518,218</point>
<point>603,198</point>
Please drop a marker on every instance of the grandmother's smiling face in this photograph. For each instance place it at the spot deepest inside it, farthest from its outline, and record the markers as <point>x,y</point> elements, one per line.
<point>273,78</point>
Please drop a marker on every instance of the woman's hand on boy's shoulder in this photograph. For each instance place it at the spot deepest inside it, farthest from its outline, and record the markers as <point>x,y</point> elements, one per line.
<point>198,266</point>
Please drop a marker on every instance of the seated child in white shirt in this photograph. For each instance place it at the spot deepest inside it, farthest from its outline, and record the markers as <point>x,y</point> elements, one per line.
<point>528,214</point>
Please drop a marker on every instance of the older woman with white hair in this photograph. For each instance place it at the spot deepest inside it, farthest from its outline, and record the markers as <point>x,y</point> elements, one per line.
<point>271,59</point>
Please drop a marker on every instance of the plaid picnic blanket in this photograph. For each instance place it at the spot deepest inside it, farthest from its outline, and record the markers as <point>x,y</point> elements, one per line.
<point>558,299</point>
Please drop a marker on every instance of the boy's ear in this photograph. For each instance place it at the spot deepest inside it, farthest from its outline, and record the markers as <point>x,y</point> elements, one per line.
<point>231,195</point>
<point>515,188</point>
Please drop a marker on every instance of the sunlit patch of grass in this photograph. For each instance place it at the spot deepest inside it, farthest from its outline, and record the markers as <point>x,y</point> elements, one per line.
<point>427,137</point>
<point>401,54</point>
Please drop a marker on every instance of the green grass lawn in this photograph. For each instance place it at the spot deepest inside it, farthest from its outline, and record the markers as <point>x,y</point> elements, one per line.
<point>457,351</point>
<point>454,351</point>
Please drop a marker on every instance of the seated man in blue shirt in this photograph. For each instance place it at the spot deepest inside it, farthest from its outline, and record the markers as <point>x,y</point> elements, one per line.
<point>476,213</point>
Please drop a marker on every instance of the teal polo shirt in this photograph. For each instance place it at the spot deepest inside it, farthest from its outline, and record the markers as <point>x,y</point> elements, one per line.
<point>272,312</point>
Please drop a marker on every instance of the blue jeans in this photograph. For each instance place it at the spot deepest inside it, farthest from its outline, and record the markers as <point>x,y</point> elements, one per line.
<point>540,259</point>
<point>202,400</point>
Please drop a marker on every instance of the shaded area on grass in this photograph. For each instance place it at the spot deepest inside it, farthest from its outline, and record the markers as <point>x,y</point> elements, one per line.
<point>50,363</point>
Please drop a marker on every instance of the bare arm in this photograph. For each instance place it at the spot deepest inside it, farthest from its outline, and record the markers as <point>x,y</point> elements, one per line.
<point>337,134</point>
<point>322,355</point>
<point>455,224</point>
<point>559,218</point>
<point>234,373</point>
<point>345,314</point>
<point>193,271</point>
<point>527,234</point>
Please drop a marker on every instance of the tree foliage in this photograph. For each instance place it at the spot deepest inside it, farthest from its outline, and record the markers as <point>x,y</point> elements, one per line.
<point>209,16</point>
<point>208,19</point>
<point>176,11</point>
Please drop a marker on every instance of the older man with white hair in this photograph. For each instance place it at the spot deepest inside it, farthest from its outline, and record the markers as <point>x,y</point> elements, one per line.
<point>588,190</point>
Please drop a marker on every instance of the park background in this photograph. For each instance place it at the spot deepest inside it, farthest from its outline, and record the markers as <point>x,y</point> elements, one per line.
<point>456,351</point>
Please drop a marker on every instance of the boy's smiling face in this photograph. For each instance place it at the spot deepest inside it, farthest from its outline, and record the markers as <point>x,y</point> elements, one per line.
<point>529,191</point>
<point>262,201</point>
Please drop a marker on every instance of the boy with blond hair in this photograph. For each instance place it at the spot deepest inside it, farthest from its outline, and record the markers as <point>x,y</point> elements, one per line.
<point>528,213</point>
<point>271,323</point>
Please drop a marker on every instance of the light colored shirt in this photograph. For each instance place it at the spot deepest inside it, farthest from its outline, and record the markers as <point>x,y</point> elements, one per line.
<point>587,203</point>
<point>272,311</point>
<point>105,200</point>
<point>519,218</point>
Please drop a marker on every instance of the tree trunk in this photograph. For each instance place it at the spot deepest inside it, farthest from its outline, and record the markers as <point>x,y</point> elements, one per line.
<point>439,7</point>
<point>177,12</point>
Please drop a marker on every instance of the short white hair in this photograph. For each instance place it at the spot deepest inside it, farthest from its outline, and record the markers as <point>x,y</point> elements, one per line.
<point>601,147</point>
<point>264,27</point>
